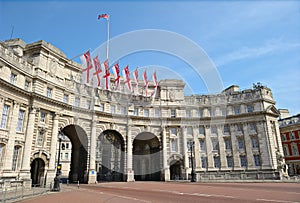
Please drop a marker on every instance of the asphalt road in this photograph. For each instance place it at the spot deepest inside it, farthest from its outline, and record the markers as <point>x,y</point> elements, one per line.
<point>157,192</point>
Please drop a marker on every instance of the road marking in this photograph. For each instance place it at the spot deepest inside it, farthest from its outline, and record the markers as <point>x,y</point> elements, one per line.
<point>272,200</point>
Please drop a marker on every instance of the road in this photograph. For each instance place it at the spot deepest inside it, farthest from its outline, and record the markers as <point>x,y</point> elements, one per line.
<point>157,192</point>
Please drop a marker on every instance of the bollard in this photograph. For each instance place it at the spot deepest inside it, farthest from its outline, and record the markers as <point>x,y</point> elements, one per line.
<point>68,182</point>
<point>78,184</point>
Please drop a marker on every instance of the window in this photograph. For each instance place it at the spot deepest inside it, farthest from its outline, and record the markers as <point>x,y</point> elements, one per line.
<point>40,139</point>
<point>20,121</point>
<point>16,155</point>
<point>27,85</point>
<point>174,145</point>
<point>236,110</point>
<point>1,152</point>
<point>173,131</point>
<point>88,104</point>
<point>66,98</point>
<point>101,107</point>
<point>202,145</point>
<point>188,113</point>
<point>43,117</point>
<point>156,112</point>
<point>225,130</point>
<point>213,130</point>
<point>250,109</point>
<point>49,92</point>
<point>286,150</point>
<point>224,112</point>
<point>66,155</point>
<point>190,131</point>
<point>146,112</point>
<point>201,130</point>
<point>252,127</point>
<point>243,161</point>
<point>211,112</point>
<point>123,110</point>
<point>256,160</point>
<point>4,116</point>
<point>227,144</point>
<point>67,145</point>
<point>200,113</point>
<point>294,149</point>
<point>112,109</point>
<point>77,101</point>
<point>254,141</point>
<point>283,137</point>
<point>229,161</point>
<point>215,145</point>
<point>136,111</point>
<point>292,135</point>
<point>239,128</point>
<point>241,143</point>
<point>173,113</point>
<point>217,162</point>
<point>190,145</point>
<point>203,162</point>
<point>13,78</point>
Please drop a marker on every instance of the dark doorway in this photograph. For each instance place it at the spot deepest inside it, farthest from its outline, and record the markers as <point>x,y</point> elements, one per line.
<point>79,155</point>
<point>37,170</point>
<point>175,171</point>
<point>146,157</point>
<point>110,156</point>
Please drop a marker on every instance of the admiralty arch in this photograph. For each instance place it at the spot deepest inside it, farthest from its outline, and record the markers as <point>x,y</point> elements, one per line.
<point>232,135</point>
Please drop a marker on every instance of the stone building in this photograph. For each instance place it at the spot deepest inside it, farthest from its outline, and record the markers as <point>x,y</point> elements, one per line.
<point>290,135</point>
<point>120,137</point>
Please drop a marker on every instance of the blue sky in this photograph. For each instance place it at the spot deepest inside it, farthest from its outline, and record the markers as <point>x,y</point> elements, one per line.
<point>248,41</point>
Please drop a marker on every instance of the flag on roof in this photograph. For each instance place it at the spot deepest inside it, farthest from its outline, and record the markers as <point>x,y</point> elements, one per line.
<point>136,80</point>
<point>116,70</point>
<point>107,74</point>
<point>106,16</point>
<point>98,70</point>
<point>146,82</point>
<point>126,75</point>
<point>88,64</point>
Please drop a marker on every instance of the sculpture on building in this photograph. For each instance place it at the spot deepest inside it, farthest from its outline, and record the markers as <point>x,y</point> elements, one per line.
<point>282,167</point>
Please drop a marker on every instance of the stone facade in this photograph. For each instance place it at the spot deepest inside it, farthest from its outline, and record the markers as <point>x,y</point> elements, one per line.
<point>121,137</point>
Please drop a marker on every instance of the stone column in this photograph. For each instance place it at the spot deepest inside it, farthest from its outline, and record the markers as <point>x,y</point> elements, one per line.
<point>197,159</point>
<point>92,172</point>
<point>25,170</point>
<point>222,151</point>
<point>54,137</point>
<point>210,160</point>
<point>235,150</point>
<point>11,139</point>
<point>165,155</point>
<point>248,146</point>
<point>264,147</point>
<point>130,172</point>
<point>185,152</point>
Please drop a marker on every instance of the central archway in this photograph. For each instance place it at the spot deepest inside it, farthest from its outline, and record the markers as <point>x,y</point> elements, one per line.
<point>79,155</point>
<point>110,156</point>
<point>146,157</point>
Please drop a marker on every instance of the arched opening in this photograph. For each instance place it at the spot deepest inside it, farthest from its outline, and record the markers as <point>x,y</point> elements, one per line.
<point>37,170</point>
<point>175,170</point>
<point>110,156</point>
<point>146,157</point>
<point>79,155</point>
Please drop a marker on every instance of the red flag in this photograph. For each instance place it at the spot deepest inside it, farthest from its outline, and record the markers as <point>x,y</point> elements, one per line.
<point>107,73</point>
<point>89,65</point>
<point>98,69</point>
<point>136,80</point>
<point>155,84</point>
<point>146,82</point>
<point>126,75</point>
<point>106,16</point>
<point>116,70</point>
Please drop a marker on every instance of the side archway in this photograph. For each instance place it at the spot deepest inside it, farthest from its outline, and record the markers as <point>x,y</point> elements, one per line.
<point>147,157</point>
<point>37,171</point>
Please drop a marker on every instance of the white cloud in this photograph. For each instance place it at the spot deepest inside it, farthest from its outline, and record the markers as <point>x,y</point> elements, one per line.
<point>254,52</point>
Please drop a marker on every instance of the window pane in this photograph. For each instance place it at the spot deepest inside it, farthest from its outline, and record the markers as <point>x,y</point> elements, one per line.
<point>4,116</point>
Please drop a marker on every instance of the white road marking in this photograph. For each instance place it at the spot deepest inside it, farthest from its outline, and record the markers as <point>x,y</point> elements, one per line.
<point>272,200</point>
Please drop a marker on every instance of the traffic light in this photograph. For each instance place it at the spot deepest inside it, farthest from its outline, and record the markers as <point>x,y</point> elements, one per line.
<point>59,168</point>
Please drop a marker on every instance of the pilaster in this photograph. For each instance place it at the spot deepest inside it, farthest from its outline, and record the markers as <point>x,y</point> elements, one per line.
<point>248,146</point>
<point>222,151</point>
<point>130,172</point>
<point>92,172</point>
<point>210,160</point>
<point>166,168</point>
<point>235,151</point>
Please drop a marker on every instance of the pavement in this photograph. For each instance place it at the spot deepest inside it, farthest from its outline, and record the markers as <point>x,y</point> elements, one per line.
<point>119,192</point>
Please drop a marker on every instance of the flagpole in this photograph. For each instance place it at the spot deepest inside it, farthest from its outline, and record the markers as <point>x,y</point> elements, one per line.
<point>107,44</point>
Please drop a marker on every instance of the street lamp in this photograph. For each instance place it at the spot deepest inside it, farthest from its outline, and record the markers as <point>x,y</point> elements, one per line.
<point>58,167</point>
<point>192,163</point>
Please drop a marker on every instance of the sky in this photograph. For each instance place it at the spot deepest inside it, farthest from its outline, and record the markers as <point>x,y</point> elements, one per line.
<point>246,41</point>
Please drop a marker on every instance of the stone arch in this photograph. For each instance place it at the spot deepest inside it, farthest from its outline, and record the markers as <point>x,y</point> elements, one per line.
<point>110,156</point>
<point>176,166</point>
<point>147,157</point>
<point>79,156</point>
<point>38,172</point>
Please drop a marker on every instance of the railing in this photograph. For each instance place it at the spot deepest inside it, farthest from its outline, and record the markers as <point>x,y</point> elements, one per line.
<point>17,192</point>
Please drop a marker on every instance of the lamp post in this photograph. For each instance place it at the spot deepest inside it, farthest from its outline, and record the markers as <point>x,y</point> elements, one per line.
<point>192,163</point>
<point>58,167</point>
